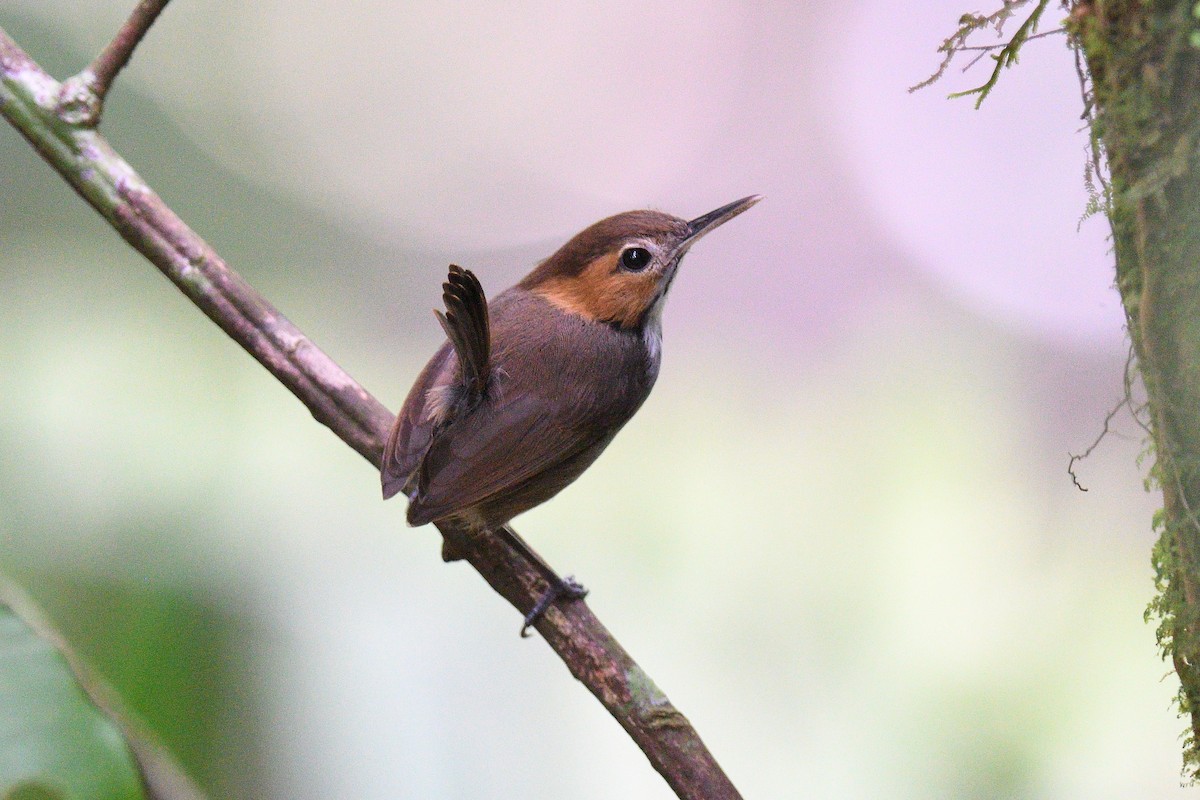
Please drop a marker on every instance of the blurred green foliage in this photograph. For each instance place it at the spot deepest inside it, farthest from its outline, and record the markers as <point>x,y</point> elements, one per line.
<point>54,742</point>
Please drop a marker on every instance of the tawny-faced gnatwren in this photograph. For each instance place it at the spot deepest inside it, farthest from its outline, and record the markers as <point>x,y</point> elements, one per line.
<point>530,388</point>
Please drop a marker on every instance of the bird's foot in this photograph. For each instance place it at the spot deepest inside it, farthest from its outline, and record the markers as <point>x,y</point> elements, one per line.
<point>563,588</point>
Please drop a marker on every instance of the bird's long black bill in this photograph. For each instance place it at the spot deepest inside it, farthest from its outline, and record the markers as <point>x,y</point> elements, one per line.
<point>706,222</point>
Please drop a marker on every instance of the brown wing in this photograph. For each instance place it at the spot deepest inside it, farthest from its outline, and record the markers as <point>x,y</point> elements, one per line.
<point>414,426</point>
<point>492,450</point>
<point>467,329</point>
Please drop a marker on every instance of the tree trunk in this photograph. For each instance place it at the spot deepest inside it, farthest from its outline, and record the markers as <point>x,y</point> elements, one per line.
<point>1143,57</point>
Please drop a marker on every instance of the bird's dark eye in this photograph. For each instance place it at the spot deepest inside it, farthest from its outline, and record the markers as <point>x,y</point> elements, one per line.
<point>635,259</point>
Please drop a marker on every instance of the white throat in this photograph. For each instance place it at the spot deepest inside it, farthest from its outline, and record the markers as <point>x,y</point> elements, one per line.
<point>652,331</point>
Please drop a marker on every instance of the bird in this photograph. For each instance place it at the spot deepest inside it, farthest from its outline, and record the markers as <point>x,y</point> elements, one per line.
<point>529,388</point>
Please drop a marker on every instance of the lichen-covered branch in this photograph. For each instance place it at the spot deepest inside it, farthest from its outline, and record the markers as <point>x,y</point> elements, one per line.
<point>29,100</point>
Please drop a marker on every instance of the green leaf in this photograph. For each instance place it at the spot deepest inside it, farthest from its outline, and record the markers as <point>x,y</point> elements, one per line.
<point>54,741</point>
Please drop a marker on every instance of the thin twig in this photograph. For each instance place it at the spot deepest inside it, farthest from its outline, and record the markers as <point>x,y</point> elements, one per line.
<point>987,48</point>
<point>976,59</point>
<point>1103,432</point>
<point>81,100</point>
<point>90,165</point>
<point>1125,402</point>
<point>114,57</point>
<point>984,49</point>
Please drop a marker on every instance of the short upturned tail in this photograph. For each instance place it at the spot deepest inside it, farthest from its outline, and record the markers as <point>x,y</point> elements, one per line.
<point>466,325</point>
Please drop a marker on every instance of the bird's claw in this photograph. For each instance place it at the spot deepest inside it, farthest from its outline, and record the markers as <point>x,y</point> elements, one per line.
<point>567,588</point>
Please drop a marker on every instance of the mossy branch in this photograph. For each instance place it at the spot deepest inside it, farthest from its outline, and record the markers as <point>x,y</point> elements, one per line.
<point>64,132</point>
<point>969,25</point>
<point>1008,54</point>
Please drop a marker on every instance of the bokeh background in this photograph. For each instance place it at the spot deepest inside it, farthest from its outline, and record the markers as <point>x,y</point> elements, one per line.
<point>841,534</point>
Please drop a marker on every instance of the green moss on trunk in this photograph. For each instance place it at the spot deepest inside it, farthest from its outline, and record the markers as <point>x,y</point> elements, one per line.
<point>1145,73</point>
